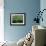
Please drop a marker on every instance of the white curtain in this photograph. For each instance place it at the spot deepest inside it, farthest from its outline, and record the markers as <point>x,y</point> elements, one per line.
<point>1,20</point>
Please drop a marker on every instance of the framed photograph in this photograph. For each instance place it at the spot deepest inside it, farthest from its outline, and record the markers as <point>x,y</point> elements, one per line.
<point>17,19</point>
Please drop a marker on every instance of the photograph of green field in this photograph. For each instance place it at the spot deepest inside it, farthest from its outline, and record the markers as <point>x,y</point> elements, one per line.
<point>17,19</point>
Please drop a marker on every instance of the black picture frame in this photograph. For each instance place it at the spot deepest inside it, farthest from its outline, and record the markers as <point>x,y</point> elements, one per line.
<point>17,19</point>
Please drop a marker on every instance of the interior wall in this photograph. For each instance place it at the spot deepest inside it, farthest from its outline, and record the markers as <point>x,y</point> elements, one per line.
<point>43,6</point>
<point>29,7</point>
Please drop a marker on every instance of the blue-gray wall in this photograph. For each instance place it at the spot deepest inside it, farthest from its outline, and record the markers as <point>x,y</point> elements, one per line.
<point>30,7</point>
<point>43,6</point>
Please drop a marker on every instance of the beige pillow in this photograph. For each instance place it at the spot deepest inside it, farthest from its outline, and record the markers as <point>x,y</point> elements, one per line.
<point>20,42</point>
